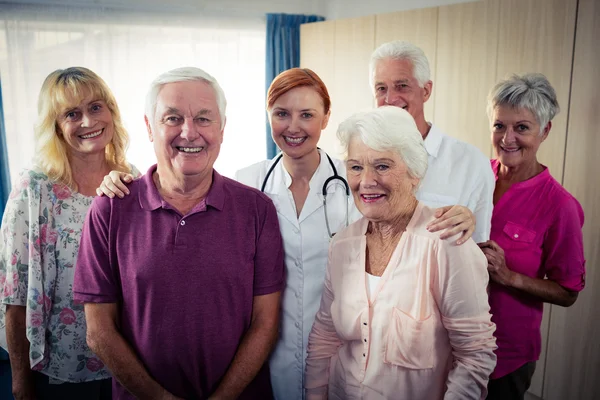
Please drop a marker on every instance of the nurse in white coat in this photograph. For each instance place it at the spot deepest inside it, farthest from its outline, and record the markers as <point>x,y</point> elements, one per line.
<point>298,106</point>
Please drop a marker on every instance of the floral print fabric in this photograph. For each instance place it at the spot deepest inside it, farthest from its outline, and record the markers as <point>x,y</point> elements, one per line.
<point>39,242</point>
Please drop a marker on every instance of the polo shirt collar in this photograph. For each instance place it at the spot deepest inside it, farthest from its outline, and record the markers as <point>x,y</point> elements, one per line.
<point>433,141</point>
<point>151,200</point>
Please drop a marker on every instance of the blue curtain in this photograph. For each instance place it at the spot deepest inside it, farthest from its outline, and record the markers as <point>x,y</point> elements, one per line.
<point>4,174</point>
<point>283,52</point>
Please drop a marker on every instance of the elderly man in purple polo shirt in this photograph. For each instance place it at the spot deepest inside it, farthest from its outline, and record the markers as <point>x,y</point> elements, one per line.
<point>181,280</point>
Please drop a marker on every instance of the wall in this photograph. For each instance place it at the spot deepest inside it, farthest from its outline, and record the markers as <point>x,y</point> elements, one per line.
<point>470,47</point>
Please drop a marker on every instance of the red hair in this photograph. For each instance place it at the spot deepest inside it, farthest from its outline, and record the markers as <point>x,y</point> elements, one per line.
<point>297,77</point>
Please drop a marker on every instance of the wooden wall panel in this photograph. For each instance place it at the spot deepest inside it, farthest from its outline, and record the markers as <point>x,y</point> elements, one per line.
<point>317,43</point>
<point>573,367</point>
<point>537,36</point>
<point>354,43</point>
<point>467,44</point>
<point>418,27</point>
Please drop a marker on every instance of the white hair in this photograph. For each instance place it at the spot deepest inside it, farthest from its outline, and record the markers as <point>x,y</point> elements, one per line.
<point>401,50</point>
<point>387,128</point>
<point>181,75</point>
<point>530,91</point>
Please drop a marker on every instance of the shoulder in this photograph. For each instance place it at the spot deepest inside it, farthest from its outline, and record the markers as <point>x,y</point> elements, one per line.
<point>254,174</point>
<point>241,192</point>
<point>565,204</point>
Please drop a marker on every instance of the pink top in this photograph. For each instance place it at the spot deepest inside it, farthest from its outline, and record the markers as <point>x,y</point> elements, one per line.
<point>538,225</point>
<point>425,335</point>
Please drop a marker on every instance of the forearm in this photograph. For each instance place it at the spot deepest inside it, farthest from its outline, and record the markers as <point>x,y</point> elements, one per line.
<point>18,344</point>
<point>249,359</point>
<point>114,351</point>
<point>544,289</point>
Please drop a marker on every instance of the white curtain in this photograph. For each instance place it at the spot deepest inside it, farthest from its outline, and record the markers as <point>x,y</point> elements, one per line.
<point>128,49</point>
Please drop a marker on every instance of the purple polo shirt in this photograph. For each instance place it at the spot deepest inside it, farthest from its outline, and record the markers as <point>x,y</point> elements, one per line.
<point>538,225</point>
<point>184,283</point>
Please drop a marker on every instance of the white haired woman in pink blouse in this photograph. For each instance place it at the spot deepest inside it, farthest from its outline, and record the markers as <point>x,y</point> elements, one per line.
<point>404,314</point>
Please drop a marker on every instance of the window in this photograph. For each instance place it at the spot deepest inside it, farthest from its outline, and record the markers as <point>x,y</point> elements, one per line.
<point>128,50</point>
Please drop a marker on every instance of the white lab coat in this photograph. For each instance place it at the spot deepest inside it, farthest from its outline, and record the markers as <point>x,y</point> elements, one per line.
<point>306,244</point>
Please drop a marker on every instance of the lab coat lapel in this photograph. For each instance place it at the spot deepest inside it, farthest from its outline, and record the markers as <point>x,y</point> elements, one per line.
<point>281,197</point>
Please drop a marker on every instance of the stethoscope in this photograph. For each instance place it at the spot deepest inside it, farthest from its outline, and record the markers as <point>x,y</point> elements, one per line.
<point>332,178</point>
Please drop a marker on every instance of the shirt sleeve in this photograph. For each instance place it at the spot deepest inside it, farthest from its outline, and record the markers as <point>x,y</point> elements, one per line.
<point>269,266</point>
<point>96,278</point>
<point>323,343</point>
<point>460,291</point>
<point>18,236</point>
<point>481,202</point>
<point>564,259</point>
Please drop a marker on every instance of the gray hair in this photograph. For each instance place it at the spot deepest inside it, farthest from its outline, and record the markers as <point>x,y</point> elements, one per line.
<point>402,50</point>
<point>529,91</point>
<point>387,128</point>
<point>181,75</point>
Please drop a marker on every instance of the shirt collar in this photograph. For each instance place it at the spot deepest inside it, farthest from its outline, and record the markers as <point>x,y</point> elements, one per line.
<point>433,141</point>
<point>150,199</point>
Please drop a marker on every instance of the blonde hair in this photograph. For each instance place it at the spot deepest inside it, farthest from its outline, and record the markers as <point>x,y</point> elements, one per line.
<point>61,90</point>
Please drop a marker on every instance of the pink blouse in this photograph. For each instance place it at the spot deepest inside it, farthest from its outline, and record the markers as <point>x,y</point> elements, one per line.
<point>426,334</point>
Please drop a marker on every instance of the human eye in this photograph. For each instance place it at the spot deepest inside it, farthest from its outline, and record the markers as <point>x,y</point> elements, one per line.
<point>203,121</point>
<point>306,115</point>
<point>96,107</point>
<point>498,126</point>
<point>72,115</point>
<point>379,89</point>
<point>382,167</point>
<point>522,128</point>
<point>356,168</point>
<point>281,114</point>
<point>172,120</point>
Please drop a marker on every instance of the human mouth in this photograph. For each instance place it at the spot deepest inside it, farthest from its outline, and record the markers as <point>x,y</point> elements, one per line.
<point>92,134</point>
<point>509,149</point>
<point>371,198</point>
<point>190,150</point>
<point>294,141</point>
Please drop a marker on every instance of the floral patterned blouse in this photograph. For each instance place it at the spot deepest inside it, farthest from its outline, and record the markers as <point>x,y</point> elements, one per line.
<point>39,242</point>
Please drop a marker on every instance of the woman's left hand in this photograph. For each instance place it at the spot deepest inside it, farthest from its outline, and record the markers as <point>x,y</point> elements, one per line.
<point>454,219</point>
<point>497,268</point>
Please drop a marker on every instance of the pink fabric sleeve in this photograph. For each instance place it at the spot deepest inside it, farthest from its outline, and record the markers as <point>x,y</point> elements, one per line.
<point>323,343</point>
<point>460,291</point>
<point>564,260</point>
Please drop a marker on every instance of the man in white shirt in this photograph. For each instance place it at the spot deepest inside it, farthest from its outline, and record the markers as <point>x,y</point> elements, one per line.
<point>457,173</point>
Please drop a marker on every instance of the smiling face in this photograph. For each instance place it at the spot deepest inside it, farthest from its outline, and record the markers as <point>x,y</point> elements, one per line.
<point>88,127</point>
<point>396,85</point>
<point>297,118</point>
<point>186,129</point>
<point>516,136</point>
<point>379,180</point>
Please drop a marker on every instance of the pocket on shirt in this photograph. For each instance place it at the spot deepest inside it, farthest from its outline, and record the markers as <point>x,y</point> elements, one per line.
<point>410,341</point>
<point>519,235</point>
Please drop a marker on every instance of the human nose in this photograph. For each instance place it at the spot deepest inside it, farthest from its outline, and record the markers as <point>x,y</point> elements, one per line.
<point>294,126</point>
<point>509,136</point>
<point>189,131</point>
<point>368,178</point>
<point>87,120</point>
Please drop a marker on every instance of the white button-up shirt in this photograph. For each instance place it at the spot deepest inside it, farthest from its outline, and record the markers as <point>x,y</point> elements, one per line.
<point>458,173</point>
<point>306,243</point>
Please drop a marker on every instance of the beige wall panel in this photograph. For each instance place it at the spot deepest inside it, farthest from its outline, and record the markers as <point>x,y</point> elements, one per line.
<point>418,27</point>
<point>466,70</point>
<point>537,36</point>
<point>350,92</point>
<point>573,367</point>
<point>316,49</point>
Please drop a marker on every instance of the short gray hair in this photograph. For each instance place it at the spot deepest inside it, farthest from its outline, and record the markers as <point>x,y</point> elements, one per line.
<point>388,128</point>
<point>402,50</point>
<point>181,75</point>
<point>529,91</point>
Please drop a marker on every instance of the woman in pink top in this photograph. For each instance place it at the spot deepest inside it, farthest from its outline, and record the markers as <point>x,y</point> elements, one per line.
<point>536,251</point>
<point>404,314</point>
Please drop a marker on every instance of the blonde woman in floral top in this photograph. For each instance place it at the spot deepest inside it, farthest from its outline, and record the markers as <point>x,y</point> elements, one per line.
<point>79,139</point>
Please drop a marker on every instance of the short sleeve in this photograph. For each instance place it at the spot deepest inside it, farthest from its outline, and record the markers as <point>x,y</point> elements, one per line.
<point>269,255</point>
<point>96,279</point>
<point>18,247</point>
<point>564,260</point>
